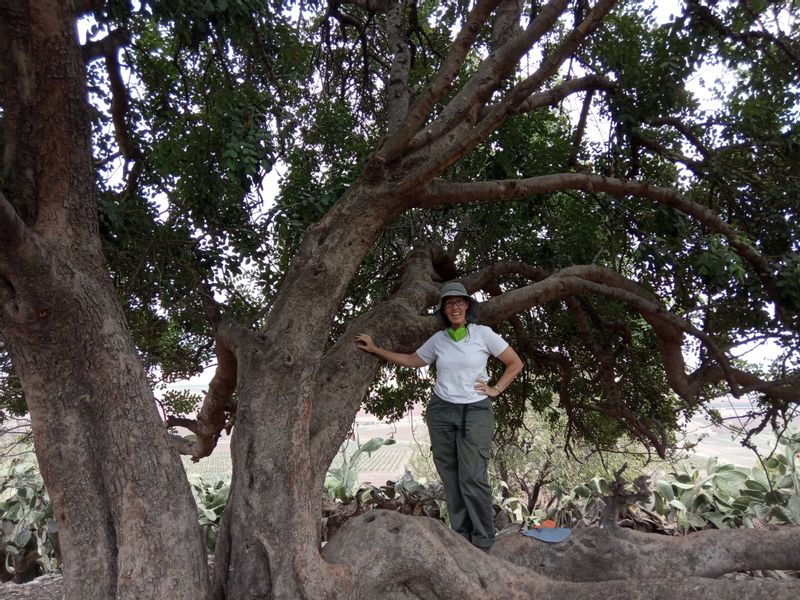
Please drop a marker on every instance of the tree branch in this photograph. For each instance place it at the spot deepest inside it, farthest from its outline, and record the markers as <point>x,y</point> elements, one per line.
<point>440,192</point>
<point>640,556</point>
<point>669,328</point>
<point>441,83</point>
<point>425,559</point>
<point>106,46</point>
<point>498,270</point>
<point>212,419</point>
<point>449,149</point>
<point>119,116</point>
<point>580,128</point>
<point>492,70</point>
<point>397,89</point>
<point>395,323</point>
<point>506,22</point>
<point>554,95</point>
<point>684,129</point>
<point>786,391</point>
<point>748,38</point>
<point>571,281</point>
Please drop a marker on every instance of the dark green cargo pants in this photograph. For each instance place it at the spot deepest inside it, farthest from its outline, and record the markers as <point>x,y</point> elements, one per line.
<point>461,437</point>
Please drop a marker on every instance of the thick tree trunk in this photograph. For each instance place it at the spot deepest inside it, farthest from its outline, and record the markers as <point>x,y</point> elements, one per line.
<point>127,521</point>
<point>274,472</point>
<point>268,547</point>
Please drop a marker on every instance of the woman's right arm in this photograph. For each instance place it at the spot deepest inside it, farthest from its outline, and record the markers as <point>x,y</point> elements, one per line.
<point>365,343</point>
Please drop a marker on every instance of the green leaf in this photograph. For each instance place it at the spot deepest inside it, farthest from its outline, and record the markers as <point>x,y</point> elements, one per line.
<point>600,485</point>
<point>729,482</point>
<point>22,537</point>
<point>774,497</point>
<point>683,486</point>
<point>665,489</point>
<point>755,494</point>
<point>718,519</point>
<point>743,502</point>
<point>376,443</point>
<point>756,485</point>
<point>759,476</point>
<point>678,504</point>
<point>210,515</point>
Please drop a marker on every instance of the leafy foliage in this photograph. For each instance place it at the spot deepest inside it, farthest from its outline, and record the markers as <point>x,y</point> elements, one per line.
<point>29,534</point>
<point>720,496</point>
<point>341,482</point>
<point>211,498</point>
<point>538,464</point>
<point>727,496</point>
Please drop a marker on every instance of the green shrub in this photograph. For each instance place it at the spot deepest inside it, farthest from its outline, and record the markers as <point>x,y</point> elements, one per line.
<point>729,496</point>
<point>29,533</point>
<point>341,482</point>
<point>211,499</point>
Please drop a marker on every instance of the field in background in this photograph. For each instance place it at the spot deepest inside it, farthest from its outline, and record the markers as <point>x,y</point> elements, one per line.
<point>389,462</point>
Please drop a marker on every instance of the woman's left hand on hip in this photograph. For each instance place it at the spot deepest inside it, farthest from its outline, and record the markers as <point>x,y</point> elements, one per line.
<point>484,388</point>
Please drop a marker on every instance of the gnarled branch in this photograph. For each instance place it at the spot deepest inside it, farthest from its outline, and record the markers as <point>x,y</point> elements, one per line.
<point>105,46</point>
<point>440,192</point>
<point>477,91</point>
<point>421,558</point>
<point>212,418</point>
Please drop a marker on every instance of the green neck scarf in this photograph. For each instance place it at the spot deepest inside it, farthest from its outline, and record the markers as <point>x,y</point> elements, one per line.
<point>457,334</point>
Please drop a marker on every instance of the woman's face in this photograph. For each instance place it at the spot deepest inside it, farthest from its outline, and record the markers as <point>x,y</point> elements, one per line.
<point>455,309</point>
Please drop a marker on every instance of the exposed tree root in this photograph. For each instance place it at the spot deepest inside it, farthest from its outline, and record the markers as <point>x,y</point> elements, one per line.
<point>393,556</point>
<point>594,554</point>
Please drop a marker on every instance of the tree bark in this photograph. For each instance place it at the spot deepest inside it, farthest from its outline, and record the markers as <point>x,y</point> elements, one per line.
<point>127,521</point>
<point>273,470</point>
<point>597,554</point>
<point>394,556</point>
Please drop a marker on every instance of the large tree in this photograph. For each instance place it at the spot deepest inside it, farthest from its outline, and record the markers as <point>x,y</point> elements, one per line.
<point>422,142</point>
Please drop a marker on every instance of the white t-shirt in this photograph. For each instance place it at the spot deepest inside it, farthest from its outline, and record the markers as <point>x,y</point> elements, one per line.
<point>460,364</point>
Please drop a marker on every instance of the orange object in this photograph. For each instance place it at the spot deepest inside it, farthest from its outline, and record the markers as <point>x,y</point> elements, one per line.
<point>549,523</point>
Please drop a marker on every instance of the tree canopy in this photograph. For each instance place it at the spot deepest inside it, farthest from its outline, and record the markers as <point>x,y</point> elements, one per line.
<point>631,239</point>
<point>220,94</point>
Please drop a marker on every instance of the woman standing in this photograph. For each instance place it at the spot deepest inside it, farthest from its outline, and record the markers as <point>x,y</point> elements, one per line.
<point>460,417</point>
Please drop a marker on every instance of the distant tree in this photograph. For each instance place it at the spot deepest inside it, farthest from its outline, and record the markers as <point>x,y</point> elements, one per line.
<point>422,141</point>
